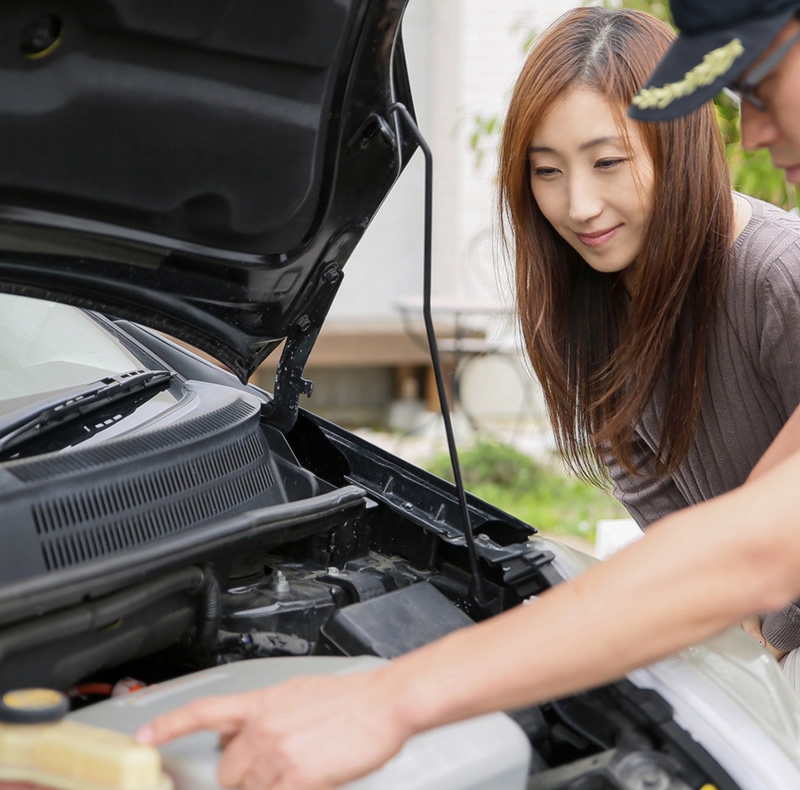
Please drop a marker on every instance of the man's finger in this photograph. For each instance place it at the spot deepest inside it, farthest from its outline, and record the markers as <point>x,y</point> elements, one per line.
<point>224,714</point>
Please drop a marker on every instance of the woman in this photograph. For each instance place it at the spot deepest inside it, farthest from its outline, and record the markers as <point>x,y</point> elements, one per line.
<point>628,301</point>
<point>659,311</point>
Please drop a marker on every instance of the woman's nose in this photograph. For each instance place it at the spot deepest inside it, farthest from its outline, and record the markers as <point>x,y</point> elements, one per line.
<point>585,202</point>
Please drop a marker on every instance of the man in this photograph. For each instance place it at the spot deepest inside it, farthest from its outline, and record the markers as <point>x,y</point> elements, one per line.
<point>748,46</point>
<point>647,601</point>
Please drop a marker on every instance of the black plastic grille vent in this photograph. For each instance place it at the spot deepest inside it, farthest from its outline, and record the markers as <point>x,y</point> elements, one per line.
<point>130,448</point>
<point>136,509</point>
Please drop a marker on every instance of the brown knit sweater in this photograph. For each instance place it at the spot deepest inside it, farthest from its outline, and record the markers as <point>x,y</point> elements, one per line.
<point>752,387</point>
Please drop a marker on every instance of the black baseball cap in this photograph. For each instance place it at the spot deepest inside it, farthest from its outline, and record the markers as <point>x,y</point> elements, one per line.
<point>718,41</point>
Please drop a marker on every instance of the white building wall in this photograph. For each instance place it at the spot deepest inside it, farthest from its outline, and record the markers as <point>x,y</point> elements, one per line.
<point>387,264</point>
<point>463,57</point>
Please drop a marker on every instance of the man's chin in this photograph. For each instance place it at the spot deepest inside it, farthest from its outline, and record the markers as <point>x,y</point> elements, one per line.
<point>792,174</point>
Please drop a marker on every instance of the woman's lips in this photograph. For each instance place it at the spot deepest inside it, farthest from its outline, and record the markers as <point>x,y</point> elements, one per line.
<point>599,237</point>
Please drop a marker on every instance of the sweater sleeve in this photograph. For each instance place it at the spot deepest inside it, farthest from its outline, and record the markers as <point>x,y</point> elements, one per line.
<point>646,497</point>
<point>782,629</point>
<point>779,328</point>
<point>780,358</point>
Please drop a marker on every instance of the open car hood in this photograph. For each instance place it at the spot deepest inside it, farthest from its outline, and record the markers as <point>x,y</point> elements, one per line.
<point>204,167</point>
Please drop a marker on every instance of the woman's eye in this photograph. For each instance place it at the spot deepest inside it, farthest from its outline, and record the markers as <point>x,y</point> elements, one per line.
<point>607,164</point>
<point>544,171</point>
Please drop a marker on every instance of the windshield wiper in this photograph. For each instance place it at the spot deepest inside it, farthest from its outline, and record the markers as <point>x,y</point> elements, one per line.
<point>24,424</point>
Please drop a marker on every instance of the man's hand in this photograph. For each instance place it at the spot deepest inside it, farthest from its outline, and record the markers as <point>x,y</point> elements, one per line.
<point>308,734</point>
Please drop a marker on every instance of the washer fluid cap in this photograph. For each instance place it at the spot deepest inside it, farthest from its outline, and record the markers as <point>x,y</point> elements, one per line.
<point>33,706</point>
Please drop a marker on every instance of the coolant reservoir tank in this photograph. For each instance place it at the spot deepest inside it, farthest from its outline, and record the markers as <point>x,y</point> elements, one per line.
<point>41,749</point>
<point>486,753</point>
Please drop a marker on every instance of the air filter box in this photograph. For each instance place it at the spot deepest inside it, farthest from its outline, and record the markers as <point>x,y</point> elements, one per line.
<point>392,624</point>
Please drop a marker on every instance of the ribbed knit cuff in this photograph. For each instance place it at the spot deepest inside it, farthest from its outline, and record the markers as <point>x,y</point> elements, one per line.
<point>782,629</point>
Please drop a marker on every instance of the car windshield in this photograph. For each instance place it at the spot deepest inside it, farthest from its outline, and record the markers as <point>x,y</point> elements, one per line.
<point>48,348</point>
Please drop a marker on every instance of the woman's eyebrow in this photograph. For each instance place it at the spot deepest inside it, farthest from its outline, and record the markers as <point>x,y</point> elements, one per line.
<point>543,149</point>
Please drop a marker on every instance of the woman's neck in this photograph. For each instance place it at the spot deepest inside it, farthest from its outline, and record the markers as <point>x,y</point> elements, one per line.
<point>742,211</point>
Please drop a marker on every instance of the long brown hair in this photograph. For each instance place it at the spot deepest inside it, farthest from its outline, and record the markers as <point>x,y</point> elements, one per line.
<point>598,355</point>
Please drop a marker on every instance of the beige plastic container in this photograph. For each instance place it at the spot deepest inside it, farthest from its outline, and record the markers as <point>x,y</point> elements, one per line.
<point>67,755</point>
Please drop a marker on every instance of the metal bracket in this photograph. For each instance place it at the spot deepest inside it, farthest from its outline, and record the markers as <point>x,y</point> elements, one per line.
<point>282,410</point>
<point>531,573</point>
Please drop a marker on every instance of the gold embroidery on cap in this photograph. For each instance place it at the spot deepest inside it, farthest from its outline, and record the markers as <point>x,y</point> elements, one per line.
<point>714,64</point>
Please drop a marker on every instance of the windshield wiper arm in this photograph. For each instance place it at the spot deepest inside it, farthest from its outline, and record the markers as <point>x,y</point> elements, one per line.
<point>24,424</point>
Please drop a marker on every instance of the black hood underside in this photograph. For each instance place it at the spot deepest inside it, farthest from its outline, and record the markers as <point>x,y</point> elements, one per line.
<point>195,165</point>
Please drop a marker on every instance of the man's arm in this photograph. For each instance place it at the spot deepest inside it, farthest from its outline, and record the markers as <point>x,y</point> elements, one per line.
<point>783,445</point>
<point>698,571</point>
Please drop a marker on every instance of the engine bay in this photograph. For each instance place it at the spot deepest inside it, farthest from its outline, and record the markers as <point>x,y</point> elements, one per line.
<point>361,554</point>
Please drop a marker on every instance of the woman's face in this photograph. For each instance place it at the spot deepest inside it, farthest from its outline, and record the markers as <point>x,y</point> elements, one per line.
<point>593,190</point>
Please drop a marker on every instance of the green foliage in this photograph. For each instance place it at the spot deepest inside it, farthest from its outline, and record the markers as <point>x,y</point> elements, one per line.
<point>539,495</point>
<point>528,33</point>
<point>483,129</point>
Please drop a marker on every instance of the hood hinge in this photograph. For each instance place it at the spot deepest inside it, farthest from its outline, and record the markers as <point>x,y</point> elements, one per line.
<point>281,411</point>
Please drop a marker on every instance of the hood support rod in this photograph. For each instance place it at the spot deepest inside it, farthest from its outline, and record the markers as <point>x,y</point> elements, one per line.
<point>477,591</point>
